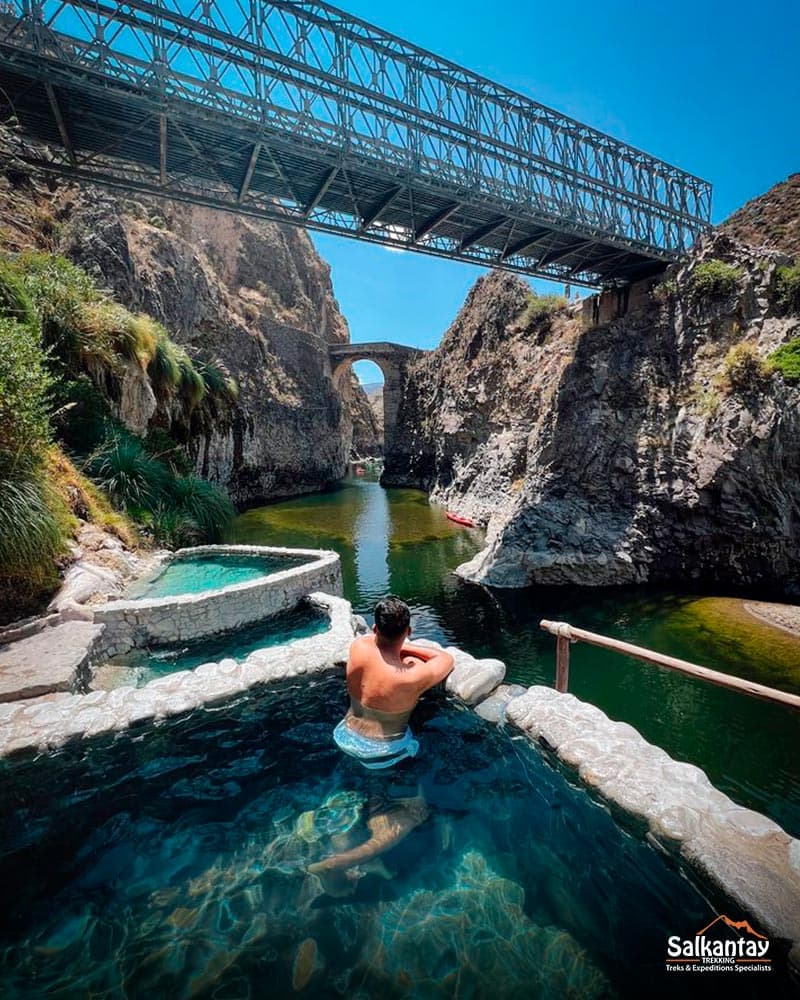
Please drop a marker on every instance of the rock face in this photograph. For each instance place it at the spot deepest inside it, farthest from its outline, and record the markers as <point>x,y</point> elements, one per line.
<point>629,452</point>
<point>367,421</point>
<point>253,295</point>
<point>772,220</point>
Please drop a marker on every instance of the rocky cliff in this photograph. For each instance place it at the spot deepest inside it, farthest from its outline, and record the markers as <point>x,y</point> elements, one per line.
<point>252,295</point>
<point>660,446</point>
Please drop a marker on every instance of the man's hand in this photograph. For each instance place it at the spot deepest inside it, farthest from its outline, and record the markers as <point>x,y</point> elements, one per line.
<point>431,666</point>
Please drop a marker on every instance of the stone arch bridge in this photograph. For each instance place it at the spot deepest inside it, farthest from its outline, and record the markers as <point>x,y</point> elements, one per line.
<point>393,360</point>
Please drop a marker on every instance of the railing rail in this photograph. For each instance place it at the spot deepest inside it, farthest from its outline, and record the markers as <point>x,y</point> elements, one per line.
<point>565,634</point>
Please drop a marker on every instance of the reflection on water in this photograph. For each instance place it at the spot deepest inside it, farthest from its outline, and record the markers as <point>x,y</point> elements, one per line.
<point>174,865</point>
<point>395,541</point>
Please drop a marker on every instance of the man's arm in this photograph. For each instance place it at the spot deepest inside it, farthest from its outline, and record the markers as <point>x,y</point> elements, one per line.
<point>434,665</point>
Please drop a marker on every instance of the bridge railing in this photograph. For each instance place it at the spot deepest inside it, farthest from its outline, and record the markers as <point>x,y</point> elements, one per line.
<point>308,69</point>
<point>565,634</point>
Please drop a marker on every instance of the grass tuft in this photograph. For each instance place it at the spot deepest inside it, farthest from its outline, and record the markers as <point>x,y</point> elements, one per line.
<point>786,360</point>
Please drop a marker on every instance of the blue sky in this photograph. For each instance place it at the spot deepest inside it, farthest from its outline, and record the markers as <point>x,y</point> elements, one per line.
<point>710,86</point>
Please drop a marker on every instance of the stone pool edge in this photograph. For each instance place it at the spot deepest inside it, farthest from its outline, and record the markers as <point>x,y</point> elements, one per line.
<point>48,723</point>
<point>741,853</point>
<point>185,617</point>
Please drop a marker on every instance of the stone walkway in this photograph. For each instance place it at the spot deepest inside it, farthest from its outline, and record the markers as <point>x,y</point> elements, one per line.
<point>55,659</point>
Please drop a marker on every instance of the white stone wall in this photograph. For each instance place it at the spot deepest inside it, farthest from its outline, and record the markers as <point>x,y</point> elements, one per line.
<point>47,723</point>
<point>185,617</point>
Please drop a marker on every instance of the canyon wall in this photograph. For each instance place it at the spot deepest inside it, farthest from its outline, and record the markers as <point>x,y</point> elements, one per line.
<point>657,447</point>
<point>249,294</point>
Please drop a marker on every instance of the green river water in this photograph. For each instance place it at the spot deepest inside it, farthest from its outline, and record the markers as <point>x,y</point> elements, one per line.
<point>395,541</point>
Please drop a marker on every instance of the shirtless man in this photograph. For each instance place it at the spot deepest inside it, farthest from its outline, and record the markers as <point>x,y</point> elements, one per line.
<point>386,675</point>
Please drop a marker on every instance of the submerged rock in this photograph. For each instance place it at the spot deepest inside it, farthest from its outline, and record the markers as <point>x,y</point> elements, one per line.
<point>477,933</point>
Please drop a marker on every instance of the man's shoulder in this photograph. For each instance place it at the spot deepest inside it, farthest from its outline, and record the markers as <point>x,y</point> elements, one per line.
<point>363,645</point>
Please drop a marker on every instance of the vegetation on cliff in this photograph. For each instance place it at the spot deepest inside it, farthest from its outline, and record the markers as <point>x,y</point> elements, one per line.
<point>67,351</point>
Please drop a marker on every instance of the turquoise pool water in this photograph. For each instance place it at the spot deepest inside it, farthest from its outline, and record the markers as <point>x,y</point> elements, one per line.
<point>171,863</point>
<point>192,574</point>
<point>139,666</point>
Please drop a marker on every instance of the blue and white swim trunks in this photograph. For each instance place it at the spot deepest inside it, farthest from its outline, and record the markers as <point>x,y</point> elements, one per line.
<point>375,754</point>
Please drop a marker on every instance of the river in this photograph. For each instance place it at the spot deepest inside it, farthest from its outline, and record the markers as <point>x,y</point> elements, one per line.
<point>395,541</point>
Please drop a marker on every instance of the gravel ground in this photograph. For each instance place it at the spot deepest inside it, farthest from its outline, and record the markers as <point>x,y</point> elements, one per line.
<point>785,616</point>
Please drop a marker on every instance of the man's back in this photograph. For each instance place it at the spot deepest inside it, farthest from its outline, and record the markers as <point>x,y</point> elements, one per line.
<point>385,681</point>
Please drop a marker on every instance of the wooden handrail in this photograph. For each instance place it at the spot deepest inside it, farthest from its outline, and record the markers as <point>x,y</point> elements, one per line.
<point>565,634</point>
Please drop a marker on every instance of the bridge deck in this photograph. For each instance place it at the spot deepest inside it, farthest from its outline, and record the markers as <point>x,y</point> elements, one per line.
<point>295,111</point>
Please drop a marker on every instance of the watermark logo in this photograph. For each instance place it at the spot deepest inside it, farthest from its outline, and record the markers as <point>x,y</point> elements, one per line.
<point>724,945</point>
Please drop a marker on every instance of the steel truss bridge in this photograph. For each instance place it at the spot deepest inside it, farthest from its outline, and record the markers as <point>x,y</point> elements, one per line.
<point>293,110</point>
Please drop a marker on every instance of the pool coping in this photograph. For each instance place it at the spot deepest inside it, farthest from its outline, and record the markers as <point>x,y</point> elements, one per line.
<point>743,854</point>
<point>44,724</point>
<point>142,621</point>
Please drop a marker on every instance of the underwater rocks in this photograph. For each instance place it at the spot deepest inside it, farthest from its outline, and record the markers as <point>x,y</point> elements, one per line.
<point>745,854</point>
<point>477,933</point>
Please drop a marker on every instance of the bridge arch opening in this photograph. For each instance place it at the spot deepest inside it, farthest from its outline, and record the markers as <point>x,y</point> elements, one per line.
<point>368,414</point>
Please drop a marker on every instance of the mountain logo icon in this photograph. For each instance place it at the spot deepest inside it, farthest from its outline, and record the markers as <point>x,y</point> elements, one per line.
<point>734,925</point>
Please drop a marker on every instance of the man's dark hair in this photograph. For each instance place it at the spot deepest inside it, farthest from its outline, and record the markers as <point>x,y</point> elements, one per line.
<point>392,617</point>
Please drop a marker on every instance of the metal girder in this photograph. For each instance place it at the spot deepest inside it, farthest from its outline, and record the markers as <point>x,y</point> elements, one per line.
<point>481,233</point>
<point>561,253</point>
<point>162,147</point>
<point>60,125</point>
<point>526,244</point>
<point>433,221</point>
<point>318,89</point>
<point>248,174</point>
<point>321,191</point>
<point>380,206</point>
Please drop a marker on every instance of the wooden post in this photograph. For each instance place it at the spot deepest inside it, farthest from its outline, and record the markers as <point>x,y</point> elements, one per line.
<point>565,633</point>
<point>562,664</point>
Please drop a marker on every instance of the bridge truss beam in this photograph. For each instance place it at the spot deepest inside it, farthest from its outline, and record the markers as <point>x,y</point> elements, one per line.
<point>293,110</point>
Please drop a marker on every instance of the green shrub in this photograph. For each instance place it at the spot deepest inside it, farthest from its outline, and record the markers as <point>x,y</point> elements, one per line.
<point>665,290</point>
<point>787,288</point>
<point>172,528</point>
<point>133,479</point>
<point>77,322</point>
<point>81,415</point>
<point>166,449</point>
<point>218,381</point>
<point>714,279</point>
<point>204,504</point>
<point>743,370</point>
<point>164,370</point>
<point>24,385</point>
<point>786,360</point>
<point>540,306</point>
<point>15,303</point>
<point>30,534</point>
<point>191,386</point>
<point>140,338</point>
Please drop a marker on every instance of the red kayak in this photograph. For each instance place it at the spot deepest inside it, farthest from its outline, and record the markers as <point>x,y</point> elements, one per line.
<point>466,521</point>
